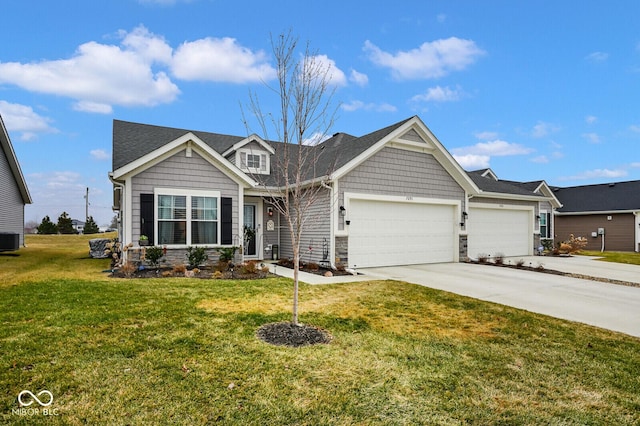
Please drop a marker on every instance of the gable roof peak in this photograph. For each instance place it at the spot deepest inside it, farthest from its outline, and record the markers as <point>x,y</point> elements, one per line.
<point>14,166</point>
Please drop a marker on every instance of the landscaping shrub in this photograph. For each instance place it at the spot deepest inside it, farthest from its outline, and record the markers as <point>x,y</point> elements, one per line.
<point>196,256</point>
<point>153,255</point>
<point>227,254</point>
<point>572,245</point>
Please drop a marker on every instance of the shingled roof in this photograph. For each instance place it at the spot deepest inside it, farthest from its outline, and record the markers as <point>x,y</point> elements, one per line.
<point>623,196</point>
<point>489,184</point>
<point>132,141</point>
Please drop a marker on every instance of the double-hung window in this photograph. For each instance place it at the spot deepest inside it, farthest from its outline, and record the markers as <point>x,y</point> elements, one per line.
<point>545,224</point>
<point>187,217</point>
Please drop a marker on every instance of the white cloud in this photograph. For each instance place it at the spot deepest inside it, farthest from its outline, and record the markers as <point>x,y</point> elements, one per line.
<point>430,60</point>
<point>597,173</point>
<point>593,138</point>
<point>151,47</point>
<point>497,148</point>
<point>220,60</point>
<point>635,128</point>
<point>100,154</point>
<point>634,165</point>
<point>440,94</point>
<point>359,105</point>
<point>472,162</point>
<point>597,57</point>
<point>359,78</point>
<point>316,138</point>
<point>94,107</point>
<point>22,118</point>
<point>541,159</point>
<point>99,75</point>
<point>486,135</point>
<point>335,75</point>
<point>542,129</point>
<point>591,119</point>
<point>441,17</point>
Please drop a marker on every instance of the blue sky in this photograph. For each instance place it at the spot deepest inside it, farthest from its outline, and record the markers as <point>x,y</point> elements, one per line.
<point>533,89</point>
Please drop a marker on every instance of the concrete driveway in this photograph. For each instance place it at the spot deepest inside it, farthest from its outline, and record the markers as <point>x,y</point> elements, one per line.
<point>609,306</point>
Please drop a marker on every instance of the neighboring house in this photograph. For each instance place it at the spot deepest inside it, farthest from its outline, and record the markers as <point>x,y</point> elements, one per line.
<point>392,197</point>
<point>509,217</point>
<point>78,225</point>
<point>608,215</point>
<point>13,193</point>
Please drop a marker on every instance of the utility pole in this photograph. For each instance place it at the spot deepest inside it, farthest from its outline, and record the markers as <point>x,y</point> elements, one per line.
<point>86,208</point>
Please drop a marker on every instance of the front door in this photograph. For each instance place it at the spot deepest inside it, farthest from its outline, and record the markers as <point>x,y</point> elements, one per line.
<point>250,230</point>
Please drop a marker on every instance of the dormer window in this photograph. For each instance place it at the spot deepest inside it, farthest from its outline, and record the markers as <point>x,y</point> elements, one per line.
<point>253,161</point>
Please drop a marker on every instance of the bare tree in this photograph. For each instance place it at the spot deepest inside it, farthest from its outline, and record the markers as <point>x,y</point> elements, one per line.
<point>305,111</point>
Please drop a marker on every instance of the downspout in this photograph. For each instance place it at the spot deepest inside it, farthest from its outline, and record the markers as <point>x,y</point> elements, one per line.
<point>637,231</point>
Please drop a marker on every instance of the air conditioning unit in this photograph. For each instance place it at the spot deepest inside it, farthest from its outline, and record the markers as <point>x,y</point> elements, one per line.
<point>9,241</point>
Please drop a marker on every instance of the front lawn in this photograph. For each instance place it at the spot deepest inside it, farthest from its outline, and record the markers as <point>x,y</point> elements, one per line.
<point>184,351</point>
<point>615,256</point>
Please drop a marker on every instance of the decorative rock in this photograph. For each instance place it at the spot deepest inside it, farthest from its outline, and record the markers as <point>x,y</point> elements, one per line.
<point>328,274</point>
<point>98,248</point>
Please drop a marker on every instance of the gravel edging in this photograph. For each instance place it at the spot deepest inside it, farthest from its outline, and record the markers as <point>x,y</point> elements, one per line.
<point>565,274</point>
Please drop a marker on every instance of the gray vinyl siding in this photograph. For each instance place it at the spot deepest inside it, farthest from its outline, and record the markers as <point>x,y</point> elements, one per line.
<point>413,136</point>
<point>402,173</point>
<point>12,206</point>
<point>270,237</point>
<point>316,230</point>
<point>498,201</point>
<point>180,171</point>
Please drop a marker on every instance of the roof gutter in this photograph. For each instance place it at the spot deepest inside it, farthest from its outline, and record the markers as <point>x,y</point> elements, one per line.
<point>586,213</point>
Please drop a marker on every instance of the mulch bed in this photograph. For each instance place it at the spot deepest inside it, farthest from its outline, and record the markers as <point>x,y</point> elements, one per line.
<point>293,335</point>
<point>204,273</point>
<point>314,268</point>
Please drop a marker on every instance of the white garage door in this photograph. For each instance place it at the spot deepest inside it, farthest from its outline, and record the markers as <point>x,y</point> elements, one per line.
<point>385,233</point>
<point>499,230</point>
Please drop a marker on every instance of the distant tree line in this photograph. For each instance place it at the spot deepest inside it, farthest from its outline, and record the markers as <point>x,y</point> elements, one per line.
<point>65,226</point>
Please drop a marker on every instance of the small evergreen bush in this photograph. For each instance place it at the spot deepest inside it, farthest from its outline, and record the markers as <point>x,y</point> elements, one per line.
<point>196,256</point>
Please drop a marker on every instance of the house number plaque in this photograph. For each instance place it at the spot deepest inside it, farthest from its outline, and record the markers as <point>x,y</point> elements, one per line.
<point>270,225</point>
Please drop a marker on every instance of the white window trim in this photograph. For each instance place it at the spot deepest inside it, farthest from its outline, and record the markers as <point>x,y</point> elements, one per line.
<point>265,159</point>
<point>188,193</point>
<point>548,225</point>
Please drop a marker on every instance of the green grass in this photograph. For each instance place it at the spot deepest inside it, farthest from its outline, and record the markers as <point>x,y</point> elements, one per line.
<point>183,351</point>
<point>615,256</point>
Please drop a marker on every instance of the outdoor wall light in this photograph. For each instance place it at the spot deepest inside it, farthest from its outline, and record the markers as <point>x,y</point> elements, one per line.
<point>465,215</point>
<point>538,216</point>
<point>343,211</point>
<point>270,211</point>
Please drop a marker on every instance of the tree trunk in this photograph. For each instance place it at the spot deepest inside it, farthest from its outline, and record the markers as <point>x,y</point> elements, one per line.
<point>296,269</point>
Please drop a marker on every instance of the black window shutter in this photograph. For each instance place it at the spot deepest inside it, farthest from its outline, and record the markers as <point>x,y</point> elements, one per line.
<point>147,216</point>
<point>227,221</point>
